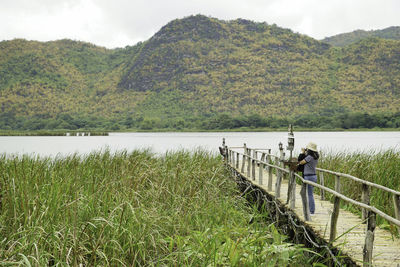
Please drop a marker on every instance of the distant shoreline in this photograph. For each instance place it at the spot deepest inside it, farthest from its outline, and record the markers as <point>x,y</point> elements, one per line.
<point>106,133</point>
<point>54,133</point>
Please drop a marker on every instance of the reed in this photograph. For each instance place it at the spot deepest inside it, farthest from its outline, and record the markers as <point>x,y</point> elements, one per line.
<point>131,209</point>
<point>378,166</point>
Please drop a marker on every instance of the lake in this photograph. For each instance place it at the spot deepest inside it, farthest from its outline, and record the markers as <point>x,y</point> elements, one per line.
<point>161,142</point>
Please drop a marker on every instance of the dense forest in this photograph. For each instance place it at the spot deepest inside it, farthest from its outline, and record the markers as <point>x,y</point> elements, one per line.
<point>344,39</point>
<point>201,73</point>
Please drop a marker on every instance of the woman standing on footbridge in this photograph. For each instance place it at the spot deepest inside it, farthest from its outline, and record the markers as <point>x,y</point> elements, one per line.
<point>310,162</point>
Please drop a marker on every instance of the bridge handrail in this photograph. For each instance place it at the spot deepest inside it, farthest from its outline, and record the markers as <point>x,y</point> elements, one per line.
<point>345,175</point>
<point>343,197</point>
<point>352,201</point>
<point>255,149</point>
<point>369,212</point>
<point>265,163</point>
<point>356,179</point>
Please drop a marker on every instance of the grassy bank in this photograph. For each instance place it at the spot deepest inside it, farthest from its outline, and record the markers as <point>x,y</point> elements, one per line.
<point>381,167</point>
<point>132,209</point>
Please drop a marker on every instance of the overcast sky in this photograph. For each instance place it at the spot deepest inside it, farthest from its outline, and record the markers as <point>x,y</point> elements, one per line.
<point>117,23</point>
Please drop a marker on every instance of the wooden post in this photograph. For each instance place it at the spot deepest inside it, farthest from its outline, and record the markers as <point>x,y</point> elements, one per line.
<point>293,190</point>
<point>304,201</point>
<point>253,169</point>
<point>244,157</point>
<point>278,180</point>
<point>261,169</point>
<point>248,162</point>
<point>243,162</point>
<point>335,213</point>
<point>396,202</point>
<point>365,200</point>
<point>269,171</point>
<point>289,190</point>
<point>224,152</point>
<point>237,160</point>
<point>290,187</point>
<point>322,181</point>
<point>227,158</point>
<point>279,174</point>
<point>281,158</point>
<point>369,239</point>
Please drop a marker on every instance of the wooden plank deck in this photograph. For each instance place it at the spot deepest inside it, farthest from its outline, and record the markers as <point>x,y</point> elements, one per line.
<point>350,229</point>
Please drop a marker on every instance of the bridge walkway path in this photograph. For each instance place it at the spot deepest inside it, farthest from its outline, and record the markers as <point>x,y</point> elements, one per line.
<point>351,230</point>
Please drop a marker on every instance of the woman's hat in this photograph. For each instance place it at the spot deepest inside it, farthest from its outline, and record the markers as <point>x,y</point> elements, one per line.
<point>312,146</point>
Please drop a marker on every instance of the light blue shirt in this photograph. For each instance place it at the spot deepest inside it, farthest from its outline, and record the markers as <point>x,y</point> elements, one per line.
<point>309,167</point>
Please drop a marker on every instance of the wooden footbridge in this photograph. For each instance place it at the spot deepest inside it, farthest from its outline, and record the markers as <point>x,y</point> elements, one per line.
<point>355,237</point>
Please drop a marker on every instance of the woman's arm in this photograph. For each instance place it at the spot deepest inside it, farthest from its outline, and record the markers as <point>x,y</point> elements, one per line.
<point>305,160</point>
<point>302,155</point>
<point>302,162</point>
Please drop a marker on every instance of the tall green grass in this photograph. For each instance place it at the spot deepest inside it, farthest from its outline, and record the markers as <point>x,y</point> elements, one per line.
<point>132,209</point>
<point>378,166</point>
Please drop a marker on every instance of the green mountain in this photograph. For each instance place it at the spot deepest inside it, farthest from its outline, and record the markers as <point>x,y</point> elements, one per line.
<point>198,72</point>
<point>343,39</point>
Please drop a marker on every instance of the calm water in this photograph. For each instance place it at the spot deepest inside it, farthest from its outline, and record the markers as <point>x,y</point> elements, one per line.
<point>162,142</point>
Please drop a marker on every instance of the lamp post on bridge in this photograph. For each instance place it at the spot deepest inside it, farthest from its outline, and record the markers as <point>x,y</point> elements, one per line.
<point>291,163</point>
<point>280,145</point>
<point>290,146</point>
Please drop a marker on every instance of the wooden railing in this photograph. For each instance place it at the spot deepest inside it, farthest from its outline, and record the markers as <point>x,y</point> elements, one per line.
<point>263,159</point>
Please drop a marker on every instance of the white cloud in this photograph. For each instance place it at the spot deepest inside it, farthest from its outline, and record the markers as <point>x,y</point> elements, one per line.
<point>46,21</point>
<point>125,22</point>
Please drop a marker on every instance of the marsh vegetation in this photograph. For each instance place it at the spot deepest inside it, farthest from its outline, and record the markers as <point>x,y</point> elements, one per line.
<point>132,209</point>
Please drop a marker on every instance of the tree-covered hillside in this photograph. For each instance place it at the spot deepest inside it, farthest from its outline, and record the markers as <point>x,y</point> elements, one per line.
<point>343,39</point>
<point>200,72</point>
